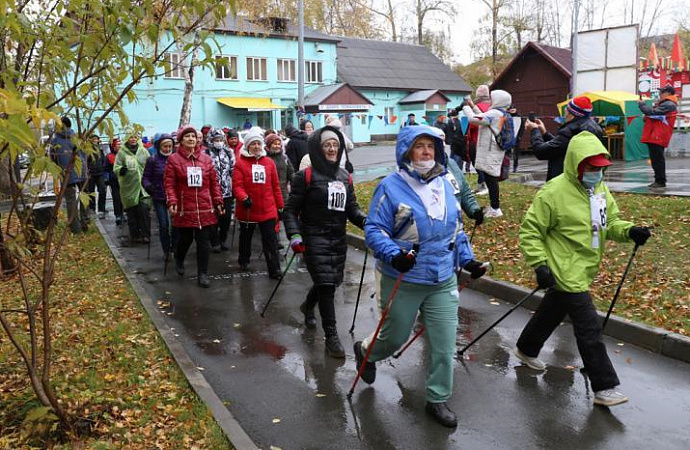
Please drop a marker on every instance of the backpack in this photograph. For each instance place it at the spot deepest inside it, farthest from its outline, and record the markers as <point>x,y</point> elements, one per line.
<point>505,139</point>
<point>307,177</point>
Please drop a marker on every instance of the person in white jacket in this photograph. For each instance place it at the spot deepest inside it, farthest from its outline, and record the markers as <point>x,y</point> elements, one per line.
<point>489,154</point>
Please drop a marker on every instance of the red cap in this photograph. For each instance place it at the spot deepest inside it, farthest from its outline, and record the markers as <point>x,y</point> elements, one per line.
<point>599,160</point>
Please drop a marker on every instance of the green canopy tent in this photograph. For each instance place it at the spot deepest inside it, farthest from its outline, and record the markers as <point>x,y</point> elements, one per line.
<point>623,105</point>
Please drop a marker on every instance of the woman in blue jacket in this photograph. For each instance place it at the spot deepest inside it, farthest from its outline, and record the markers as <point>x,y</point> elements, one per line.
<point>415,209</point>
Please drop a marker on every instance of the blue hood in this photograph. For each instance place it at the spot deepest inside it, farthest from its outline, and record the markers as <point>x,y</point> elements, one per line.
<point>406,137</point>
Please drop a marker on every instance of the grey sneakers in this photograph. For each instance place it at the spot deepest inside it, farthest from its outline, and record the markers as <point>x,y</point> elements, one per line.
<point>532,363</point>
<point>609,397</point>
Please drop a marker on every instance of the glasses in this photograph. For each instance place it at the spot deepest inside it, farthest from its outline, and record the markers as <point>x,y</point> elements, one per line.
<point>329,146</point>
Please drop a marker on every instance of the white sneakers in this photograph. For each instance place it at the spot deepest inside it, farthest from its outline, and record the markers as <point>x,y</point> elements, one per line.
<point>481,189</point>
<point>609,397</point>
<point>490,212</point>
<point>532,363</point>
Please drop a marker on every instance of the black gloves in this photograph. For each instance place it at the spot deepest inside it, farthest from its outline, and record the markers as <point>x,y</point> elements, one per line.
<point>639,235</point>
<point>478,217</point>
<point>123,171</point>
<point>403,262</point>
<point>247,202</point>
<point>349,167</point>
<point>545,278</point>
<point>476,269</point>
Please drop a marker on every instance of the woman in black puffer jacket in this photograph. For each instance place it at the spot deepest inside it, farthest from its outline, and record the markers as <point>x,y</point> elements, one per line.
<point>321,201</point>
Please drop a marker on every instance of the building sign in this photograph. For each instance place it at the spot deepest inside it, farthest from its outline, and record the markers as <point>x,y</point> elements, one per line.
<point>343,107</point>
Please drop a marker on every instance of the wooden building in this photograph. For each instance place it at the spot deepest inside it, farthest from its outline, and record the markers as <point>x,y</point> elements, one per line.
<point>538,78</point>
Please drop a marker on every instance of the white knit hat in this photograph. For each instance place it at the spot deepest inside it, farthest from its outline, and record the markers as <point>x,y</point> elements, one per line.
<point>254,134</point>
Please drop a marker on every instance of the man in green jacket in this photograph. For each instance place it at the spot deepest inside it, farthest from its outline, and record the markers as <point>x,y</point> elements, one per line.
<point>562,236</point>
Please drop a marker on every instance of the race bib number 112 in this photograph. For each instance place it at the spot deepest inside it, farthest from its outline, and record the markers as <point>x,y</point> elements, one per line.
<point>194,176</point>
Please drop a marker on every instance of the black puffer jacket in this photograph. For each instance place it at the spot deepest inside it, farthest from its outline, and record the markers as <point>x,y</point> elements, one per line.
<point>553,148</point>
<point>307,213</point>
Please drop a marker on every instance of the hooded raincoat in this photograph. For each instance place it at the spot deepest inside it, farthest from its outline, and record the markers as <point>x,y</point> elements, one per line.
<point>398,219</point>
<point>131,189</point>
<point>557,229</point>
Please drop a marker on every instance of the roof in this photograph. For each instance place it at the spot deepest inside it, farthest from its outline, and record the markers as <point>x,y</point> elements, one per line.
<point>365,63</point>
<point>263,27</point>
<point>321,93</point>
<point>560,58</point>
<point>421,96</point>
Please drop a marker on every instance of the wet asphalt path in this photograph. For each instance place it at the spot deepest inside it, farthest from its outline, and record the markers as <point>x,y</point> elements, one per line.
<point>277,381</point>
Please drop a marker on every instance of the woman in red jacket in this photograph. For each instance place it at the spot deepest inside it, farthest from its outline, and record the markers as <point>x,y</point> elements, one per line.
<point>194,199</point>
<point>256,187</point>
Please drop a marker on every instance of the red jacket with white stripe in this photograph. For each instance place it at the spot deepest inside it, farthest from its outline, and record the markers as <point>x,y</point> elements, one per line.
<point>195,204</point>
<point>261,185</point>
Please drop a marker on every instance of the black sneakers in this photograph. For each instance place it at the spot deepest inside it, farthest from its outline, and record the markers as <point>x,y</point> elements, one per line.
<point>333,346</point>
<point>442,414</point>
<point>203,280</point>
<point>369,372</point>
<point>179,267</point>
<point>309,317</point>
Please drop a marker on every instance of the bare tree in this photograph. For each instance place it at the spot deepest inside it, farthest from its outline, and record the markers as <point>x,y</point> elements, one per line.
<point>424,7</point>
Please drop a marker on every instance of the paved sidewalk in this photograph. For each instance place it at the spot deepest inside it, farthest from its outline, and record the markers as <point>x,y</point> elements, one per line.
<point>274,376</point>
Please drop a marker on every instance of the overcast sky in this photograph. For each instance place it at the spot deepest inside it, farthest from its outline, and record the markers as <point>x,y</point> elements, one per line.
<point>466,23</point>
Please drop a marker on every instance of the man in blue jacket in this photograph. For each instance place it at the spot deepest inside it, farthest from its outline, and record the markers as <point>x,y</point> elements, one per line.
<point>62,148</point>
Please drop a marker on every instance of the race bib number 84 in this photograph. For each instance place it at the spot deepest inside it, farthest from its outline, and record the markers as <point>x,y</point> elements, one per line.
<point>337,196</point>
<point>194,176</point>
<point>258,174</point>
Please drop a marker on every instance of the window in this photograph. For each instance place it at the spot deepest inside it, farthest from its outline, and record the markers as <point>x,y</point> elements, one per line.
<point>389,112</point>
<point>175,65</point>
<point>286,70</point>
<point>256,69</point>
<point>226,67</point>
<point>314,73</point>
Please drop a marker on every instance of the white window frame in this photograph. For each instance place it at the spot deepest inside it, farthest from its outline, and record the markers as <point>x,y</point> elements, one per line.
<point>313,72</point>
<point>288,66</point>
<point>176,66</point>
<point>232,63</point>
<point>389,112</point>
<point>262,66</point>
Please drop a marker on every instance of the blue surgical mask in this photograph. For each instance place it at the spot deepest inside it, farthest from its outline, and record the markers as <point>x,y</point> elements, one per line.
<point>591,179</point>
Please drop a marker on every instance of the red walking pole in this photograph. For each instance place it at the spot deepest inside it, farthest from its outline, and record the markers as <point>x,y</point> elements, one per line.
<point>384,314</point>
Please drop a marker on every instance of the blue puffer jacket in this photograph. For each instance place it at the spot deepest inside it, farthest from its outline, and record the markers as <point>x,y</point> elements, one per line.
<point>398,220</point>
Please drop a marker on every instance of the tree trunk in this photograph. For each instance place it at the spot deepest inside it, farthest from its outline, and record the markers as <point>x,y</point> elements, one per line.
<point>494,39</point>
<point>420,23</point>
<point>186,111</point>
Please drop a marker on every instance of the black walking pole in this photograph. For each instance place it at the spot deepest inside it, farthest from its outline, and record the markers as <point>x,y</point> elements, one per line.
<point>472,232</point>
<point>359,291</point>
<point>275,289</point>
<point>517,305</point>
<point>620,285</point>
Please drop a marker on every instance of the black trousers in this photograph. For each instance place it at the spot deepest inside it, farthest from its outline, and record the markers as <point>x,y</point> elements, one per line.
<point>219,232</point>
<point>587,327</point>
<point>323,295</point>
<point>97,183</point>
<point>492,186</point>
<point>203,246</point>
<point>139,221</point>
<point>115,193</point>
<point>269,244</point>
<point>656,154</point>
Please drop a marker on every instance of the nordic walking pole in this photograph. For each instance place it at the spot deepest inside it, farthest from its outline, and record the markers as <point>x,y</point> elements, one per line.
<point>359,291</point>
<point>620,285</point>
<point>472,232</point>
<point>384,314</point>
<point>517,305</point>
<point>275,289</point>
<point>410,342</point>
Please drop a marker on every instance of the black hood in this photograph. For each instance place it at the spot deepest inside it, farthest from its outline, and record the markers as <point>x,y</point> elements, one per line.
<point>299,135</point>
<point>318,160</point>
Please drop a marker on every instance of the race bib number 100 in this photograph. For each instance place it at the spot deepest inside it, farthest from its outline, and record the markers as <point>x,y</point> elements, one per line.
<point>194,176</point>
<point>337,196</point>
<point>258,174</point>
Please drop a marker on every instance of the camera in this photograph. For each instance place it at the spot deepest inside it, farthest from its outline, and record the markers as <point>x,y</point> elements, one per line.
<point>532,117</point>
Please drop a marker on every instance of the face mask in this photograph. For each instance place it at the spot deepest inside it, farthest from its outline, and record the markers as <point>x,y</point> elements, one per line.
<point>217,145</point>
<point>423,167</point>
<point>591,179</point>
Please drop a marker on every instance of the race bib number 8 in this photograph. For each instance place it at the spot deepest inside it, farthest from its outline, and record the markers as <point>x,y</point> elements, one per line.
<point>258,174</point>
<point>194,176</point>
<point>453,182</point>
<point>337,196</point>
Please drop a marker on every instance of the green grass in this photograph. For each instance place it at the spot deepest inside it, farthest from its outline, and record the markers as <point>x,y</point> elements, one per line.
<point>657,290</point>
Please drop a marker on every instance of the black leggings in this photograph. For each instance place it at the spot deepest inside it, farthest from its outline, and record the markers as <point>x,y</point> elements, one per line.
<point>323,295</point>
<point>219,232</point>
<point>203,246</point>
<point>269,244</point>
<point>492,186</point>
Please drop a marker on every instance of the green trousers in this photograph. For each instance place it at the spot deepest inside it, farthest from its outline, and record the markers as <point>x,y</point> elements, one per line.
<point>439,307</point>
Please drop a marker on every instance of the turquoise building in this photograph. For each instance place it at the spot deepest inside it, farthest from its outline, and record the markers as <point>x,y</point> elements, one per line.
<point>370,85</point>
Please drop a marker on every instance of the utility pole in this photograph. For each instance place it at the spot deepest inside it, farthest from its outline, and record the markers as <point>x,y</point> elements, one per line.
<point>300,55</point>
<point>573,77</point>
